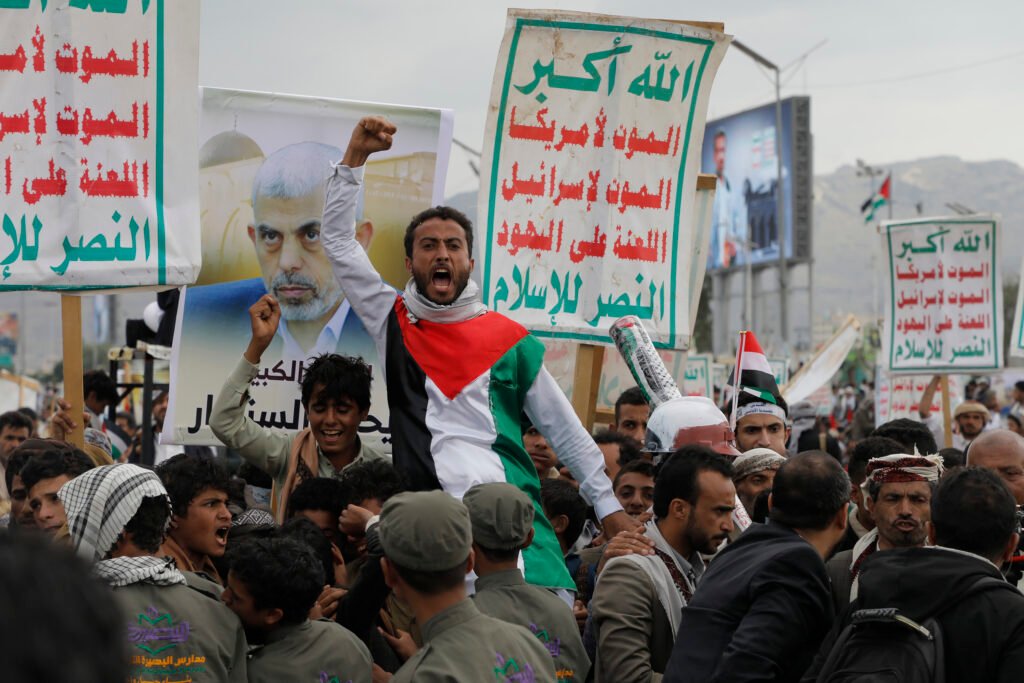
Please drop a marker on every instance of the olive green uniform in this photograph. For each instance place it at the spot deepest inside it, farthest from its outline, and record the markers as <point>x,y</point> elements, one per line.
<point>505,595</point>
<point>181,632</point>
<point>461,645</point>
<point>312,651</point>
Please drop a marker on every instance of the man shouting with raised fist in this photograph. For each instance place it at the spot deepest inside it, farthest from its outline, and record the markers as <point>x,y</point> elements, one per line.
<point>459,377</point>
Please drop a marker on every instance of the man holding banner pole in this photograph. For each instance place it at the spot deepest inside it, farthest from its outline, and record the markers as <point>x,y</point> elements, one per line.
<point>459,377</point>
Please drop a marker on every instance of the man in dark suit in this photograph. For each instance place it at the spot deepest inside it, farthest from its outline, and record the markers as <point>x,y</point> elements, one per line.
<point>764,604</point>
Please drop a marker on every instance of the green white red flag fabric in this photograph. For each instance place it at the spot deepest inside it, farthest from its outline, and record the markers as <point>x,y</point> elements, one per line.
<point>753,375</point>
<point>756,376</point>
<point>880,198</point>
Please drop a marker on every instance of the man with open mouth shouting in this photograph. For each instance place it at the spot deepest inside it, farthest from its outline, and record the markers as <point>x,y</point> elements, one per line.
<point>200,519</point>
<point>458,376</point>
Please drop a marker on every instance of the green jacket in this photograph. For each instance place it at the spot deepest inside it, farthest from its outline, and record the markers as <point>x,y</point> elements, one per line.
<point>266,449</point>
<point>312,651</point>
<point>181,632</point>
<point>505,595</point>
<point>462,645</point>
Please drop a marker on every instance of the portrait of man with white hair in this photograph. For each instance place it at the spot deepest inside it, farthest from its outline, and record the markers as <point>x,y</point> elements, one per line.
<point>287,203</point>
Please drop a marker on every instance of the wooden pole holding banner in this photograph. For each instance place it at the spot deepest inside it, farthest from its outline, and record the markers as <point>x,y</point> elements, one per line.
<point>587,382</point>
<point>71,326</point>
<point>947,418</point>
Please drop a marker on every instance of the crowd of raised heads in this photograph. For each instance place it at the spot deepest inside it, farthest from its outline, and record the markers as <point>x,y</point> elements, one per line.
<point>496,538</point>
<point>191,568</point>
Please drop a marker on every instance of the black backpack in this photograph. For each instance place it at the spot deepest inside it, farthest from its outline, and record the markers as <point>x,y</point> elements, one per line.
<point>883,646</point>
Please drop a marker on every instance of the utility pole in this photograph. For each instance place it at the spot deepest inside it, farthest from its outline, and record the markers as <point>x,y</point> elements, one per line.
<point>872,172</point>
<point>780,196</point>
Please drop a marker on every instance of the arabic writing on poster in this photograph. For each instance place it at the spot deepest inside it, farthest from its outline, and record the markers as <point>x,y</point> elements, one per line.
<point>1017,338</point>
<point>899,396</point>
<point>593,144</point>
<point>945,305</point>
<point>82,179</point>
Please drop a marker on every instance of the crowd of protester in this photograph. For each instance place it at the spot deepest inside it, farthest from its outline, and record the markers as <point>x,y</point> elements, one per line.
<point>676,545</point>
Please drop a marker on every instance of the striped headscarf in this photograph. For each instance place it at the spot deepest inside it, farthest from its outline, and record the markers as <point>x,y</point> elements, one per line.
<point>100,502</point>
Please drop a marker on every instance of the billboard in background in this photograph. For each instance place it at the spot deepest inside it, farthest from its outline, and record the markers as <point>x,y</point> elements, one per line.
<point>741,150</point>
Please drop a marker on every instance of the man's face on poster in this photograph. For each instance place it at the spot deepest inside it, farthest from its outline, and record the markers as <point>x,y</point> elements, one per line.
<point>286,234</point>
<point>720,154</point>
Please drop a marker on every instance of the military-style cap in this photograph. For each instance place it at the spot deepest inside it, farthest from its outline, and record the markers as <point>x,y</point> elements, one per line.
<point>501,514</point>
<point>425,530</point>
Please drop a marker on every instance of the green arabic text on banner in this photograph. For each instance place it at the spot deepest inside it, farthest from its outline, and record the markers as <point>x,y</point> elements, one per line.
<point>944,310</point>
<point>1017,340</point>
<point>589,175</point>
<point>98,132</point>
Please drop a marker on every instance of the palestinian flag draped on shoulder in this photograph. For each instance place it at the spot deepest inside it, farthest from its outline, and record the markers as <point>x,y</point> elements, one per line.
<point>877,200</point>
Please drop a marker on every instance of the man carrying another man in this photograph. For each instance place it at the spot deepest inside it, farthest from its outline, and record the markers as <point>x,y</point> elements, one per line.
<point>459,377</point>
<point>639,598</point>
<point>764,605</point>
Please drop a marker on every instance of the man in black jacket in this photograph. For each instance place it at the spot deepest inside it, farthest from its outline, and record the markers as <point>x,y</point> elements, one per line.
<point>764,604</point>
<point>974,530</point>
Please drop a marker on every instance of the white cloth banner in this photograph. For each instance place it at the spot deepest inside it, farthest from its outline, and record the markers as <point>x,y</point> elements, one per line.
<point>98,141</point>
<point>591,157</point>
<point>824,364</point>
<point>944,312</point>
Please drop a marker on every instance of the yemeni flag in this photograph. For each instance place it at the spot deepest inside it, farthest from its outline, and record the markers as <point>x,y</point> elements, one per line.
<point>880,198</point>
<point>754,373</point>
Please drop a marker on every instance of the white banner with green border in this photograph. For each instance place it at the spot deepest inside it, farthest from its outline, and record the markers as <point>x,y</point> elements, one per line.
<point>944,307</point>
<point>591,157</point>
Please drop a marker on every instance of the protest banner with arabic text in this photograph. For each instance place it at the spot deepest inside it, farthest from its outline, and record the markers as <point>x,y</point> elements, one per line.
<point>944,309</point>
<point>780,369</point>
<point>899,396</point>
<point>590,166</point>
<point>264,162</point>
<point>1017,340</point>
<point>98,139</point>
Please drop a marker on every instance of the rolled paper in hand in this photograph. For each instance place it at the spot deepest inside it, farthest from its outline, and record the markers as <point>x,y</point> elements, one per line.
<point>650,373</point>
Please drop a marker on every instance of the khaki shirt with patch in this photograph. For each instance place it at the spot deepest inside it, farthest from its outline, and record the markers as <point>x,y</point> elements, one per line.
<point>463,645</point>
<point>312,651</point>
<point>505,595</point>
<point>181,633</point>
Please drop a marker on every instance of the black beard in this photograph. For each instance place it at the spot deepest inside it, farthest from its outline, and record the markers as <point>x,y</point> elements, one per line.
<point>422,281</point>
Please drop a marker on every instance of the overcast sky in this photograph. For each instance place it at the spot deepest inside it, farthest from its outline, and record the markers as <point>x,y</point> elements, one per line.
<point>969,103</point>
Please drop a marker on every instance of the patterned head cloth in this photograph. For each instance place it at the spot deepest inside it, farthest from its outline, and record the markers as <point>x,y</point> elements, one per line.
<point>254,517</point>
<point>901,467</point>
<point>755,460</point>
<point>102,501</point>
